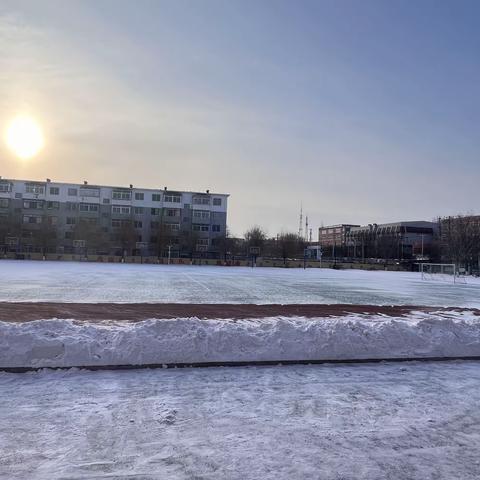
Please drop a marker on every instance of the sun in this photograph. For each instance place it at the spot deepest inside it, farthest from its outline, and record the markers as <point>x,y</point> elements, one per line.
<point>24,137</point>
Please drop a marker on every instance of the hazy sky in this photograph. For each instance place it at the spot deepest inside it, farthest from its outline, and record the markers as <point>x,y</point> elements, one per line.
<point>364,111</point>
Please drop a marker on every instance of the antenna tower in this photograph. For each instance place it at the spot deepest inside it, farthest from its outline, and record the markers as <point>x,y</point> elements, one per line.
<point>300,223</point>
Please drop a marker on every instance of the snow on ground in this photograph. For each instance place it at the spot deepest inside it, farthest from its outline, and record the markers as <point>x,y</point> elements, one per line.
<point>96,282</point>
<point>65,343</point>
<point>336,422</point>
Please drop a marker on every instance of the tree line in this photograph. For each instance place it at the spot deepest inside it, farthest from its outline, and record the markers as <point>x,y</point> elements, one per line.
<point>256,242</point>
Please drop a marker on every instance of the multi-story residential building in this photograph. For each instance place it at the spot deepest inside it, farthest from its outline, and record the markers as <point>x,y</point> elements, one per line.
<point>55,217</point>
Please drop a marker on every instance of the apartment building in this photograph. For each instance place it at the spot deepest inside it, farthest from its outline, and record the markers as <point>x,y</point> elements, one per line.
<point>54,217</point>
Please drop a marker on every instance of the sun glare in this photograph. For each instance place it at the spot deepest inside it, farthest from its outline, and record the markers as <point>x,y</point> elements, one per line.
<point>24,137</point>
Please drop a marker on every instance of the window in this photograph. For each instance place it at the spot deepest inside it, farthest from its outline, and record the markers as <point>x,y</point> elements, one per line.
<point>156,197</point>
<point>153,239</point>
<point>172,226</point>
<point>200,228</point>
<point>155,211</point>
<point>139,196</point>
<point>53,205</point>
<point>88,221</point>
<point>154,225</point>
<point>33,204</point>
<point>186,206</point>
<point>71,221</point>
<point>201,200</point>
<point>202,241</point>
<point>217,202</point>
<point>138,210</point>
<point>172,198</point>
<point>201,214</point>
<point>36,219</point>
<point>68,235</point>
<point>106,201</point>
<point>36,189</point>
<point>121,195</point>
<point>72,192</point>
<point>89,192</point>
<point>4,202</point>
<point>71,206</point>
<point>215,228</point>
<point>137,224</point>
<point>88,207</point>
<point>54,191</point>
<point>5,187</point>
<point>121,210</point>
<point>172,212</point>
<point>52,220</point>
<point>18,195</point>
<point>120,223</point>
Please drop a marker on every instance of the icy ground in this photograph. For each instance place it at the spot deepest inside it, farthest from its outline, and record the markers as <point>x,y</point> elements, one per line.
<point>95,282</point>
<point>343,422</point>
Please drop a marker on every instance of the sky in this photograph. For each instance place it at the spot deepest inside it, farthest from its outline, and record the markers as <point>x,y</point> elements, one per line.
<point>360,111</point>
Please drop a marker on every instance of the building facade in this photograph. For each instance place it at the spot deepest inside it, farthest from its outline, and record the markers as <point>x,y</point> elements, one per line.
<point>398,240</point>
<point>53,217</point>
<point>334,235</point>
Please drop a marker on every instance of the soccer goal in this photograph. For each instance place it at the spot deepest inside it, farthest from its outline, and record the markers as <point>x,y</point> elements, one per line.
<point>444,272</point>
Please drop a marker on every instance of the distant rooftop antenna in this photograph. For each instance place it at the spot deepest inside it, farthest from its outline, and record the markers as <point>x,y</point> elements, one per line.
<point>306,227</point>
<point>310,236</point>
<point>300,223</point>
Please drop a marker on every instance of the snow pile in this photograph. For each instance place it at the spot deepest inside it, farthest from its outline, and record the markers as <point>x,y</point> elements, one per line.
<point>66,343</point>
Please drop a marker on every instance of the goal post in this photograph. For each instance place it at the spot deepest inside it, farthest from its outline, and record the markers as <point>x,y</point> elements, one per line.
<point>439,271</point>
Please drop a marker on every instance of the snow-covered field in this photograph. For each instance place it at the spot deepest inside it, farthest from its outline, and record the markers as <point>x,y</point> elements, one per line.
<point>67,343</point>
<point>95,282</point>
<point>331,422</point>
<point>336,422</point>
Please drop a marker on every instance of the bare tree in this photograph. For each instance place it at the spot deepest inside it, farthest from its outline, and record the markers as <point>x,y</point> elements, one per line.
<point>95,238</point>
<point>290,245</point>
<point>127,236</point>
<point>46,235</point>
<point>225,245</point>
<point>165,238</point>
<point>460,237</point>
<point>255,237</point>
<point>188,242</point>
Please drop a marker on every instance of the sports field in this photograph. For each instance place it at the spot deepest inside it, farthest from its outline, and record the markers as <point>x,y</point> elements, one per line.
<point>35,281</point>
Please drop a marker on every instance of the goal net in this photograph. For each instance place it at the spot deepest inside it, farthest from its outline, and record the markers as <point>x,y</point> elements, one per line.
<point>444,272</point>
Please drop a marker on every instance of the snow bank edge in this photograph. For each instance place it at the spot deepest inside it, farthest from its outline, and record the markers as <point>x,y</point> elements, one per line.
<point>68,343</point>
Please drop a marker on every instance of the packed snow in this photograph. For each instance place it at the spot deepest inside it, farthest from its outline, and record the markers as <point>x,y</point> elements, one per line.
<point>66,343</point>
<point>331,422</point>
<point>33,281</point>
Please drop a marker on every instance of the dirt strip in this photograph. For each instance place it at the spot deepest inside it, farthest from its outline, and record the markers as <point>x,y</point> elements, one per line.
<point>136,312</point>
